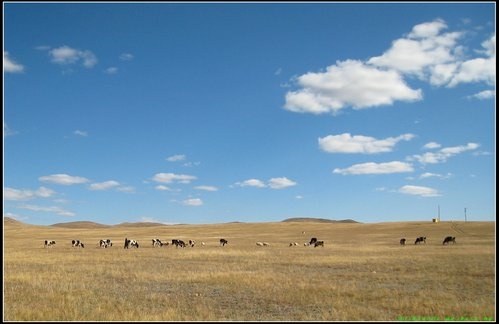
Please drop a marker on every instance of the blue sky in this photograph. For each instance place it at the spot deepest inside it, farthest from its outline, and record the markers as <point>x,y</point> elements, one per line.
<point>255,112</point>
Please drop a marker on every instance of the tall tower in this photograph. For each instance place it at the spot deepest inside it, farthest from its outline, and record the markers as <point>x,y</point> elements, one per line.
<point>439,213</point>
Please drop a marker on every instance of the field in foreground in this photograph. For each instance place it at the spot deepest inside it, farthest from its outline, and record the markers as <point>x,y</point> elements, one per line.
<point>361,274</point>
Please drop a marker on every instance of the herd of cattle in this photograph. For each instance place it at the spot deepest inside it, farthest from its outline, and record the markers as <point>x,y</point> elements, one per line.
<point>180,243</point>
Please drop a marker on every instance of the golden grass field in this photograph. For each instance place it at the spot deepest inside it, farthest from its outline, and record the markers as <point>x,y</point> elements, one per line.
<point>361,274</point>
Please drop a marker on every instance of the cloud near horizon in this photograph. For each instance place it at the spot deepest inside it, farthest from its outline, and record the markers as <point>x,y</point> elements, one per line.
<point>63,179</point>
<point>346,143</point>
<point>376,168</point>
<point>419,191</point>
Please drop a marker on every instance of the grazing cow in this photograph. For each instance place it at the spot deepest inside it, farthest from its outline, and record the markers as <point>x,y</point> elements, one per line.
<point>319,243</point>
<point>449,239</point>
<point>312,240</point>
<point>203,243</point>
<point>77,243</point>
<point>402,241</point>
<point>306,244</point>
<point>420,239</point>
<point>223,242</point>
<point>192,243</point>
<point>293,244</point>
<point>105,243</point>
<point>259,243</point>
<point>265,244</point>
<point>178,243</point>
<point>130,243</point>
<point>157,242</point>
<point>49,243</point>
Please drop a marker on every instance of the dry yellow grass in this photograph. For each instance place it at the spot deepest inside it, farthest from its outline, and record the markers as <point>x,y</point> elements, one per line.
<point>362,273</point>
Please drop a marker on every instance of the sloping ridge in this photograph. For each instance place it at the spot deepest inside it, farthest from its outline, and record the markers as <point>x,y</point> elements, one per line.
<point>80,224</point>
<point>318,220</point>
<point>140,224</point>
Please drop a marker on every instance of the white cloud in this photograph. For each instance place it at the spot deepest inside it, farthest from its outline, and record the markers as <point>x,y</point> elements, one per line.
<point>483,95</point>
<point>423,49</point>
<point>348,83</point>
<point>104,185</point>
<point>346,143</point>
<point>63,179</point>
<point>171,177</point>
<point>280,183</point>
<point>175,158</point>
<point>126,57</point>
<point>16,194</point>
<point>7,131</point>
<point>66,55</point>
<point>376,168</point>
<point>80,133</point>
<point>10,66</point>
<point>443,154</point>
<point>163,188</point>
<point>431,145</point>
<point>127,189</point>
<point>206,188</point>
<point>193,202</point>
<point>52,209</point>
<point>251,183</point>
<point>111,70</point>
<point>419,191</point>
<point>435,175</point>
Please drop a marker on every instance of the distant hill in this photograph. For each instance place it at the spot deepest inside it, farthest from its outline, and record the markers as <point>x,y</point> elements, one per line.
<point>319,220</point>
<point>140,224</point>
<point>80,224</point>
<point>13,222</point>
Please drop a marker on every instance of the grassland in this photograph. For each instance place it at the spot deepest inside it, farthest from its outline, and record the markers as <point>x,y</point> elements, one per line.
<point>362,273</point>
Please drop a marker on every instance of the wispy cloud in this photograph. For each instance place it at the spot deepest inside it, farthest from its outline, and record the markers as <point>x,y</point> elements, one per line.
<point>346,143</point>
<point>7,131</point>
<point>435,175</point>
<point>80,133</point>
<point>11,66</point>
<point>23,194</point>
<point>106,185</point>
<point>376,168</point>
<point>419,191</point>
<point>273,183</point>
<point>111,70</point>
<point>172,177</point>
<point>63,179</point>
<point>175,158</point>
<point>251,183</point>
<point>443,154</point>
<point>51,209</point>
<point>126,57</point>
<point>66,55</point>
<point>431,145</point>
<point>483,95</point>
<point>206,188</point>
<point>192,202</point>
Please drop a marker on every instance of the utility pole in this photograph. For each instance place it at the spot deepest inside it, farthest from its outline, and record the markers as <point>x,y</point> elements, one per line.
<point>439,213</point>
<point>464,214</point>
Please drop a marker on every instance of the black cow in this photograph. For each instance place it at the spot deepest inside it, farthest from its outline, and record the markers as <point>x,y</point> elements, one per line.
<point>319,243</point>
<point>49,243</point>
<point>420,239</point>
<point>402,241</point>
<point>223,242</point>
<point>313,240</point>
<point>449,239</point>
<point>131,243</point>
<point>178,243</point>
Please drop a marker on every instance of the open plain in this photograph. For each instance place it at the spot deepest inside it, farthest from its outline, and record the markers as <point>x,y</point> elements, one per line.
<point>361,274</point>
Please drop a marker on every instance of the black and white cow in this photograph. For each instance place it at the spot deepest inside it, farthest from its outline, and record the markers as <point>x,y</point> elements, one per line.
<point>420,239</point>
<point>312,241</point>
<point>192,243</point>
<point>130,243</point>
<point>223,242</point>
<point>49,243</point>
<point>77,243</point>
<point>178,243</point>
<point>157,242</point>
<point>449,239</point>
<point>402,241</point>
<point>105,243</point>
<point>319,243</point>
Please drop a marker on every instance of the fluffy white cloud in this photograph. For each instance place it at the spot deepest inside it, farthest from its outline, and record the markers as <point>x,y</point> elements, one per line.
<point>431,145</point>
<point>348,83</point>
<point>443,154</point>
<point>16,194</point>
<point>346,143</point>
<point>9,65</point>
<point>104,185</point>
<point>66,55</point>
<point>193,202</point>
<point>251,183</point>
<point>52,209</point>
<point>63,179</point>
<point>280,183</point>
<point>419,191</point>
<point>206,188</point>
<point>171,177</point>
<point>376,168</point>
